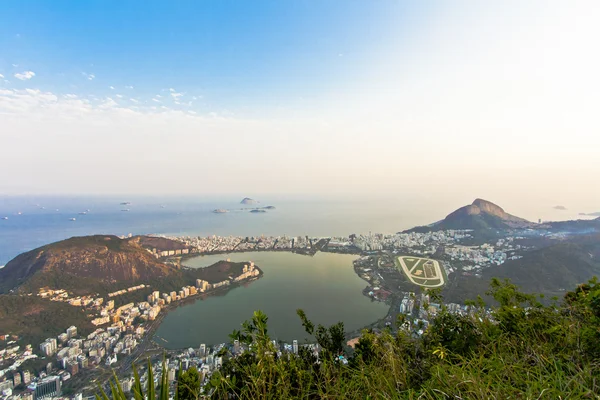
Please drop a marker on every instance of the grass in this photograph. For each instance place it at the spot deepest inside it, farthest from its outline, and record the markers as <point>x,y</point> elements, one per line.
<point>523,350</point>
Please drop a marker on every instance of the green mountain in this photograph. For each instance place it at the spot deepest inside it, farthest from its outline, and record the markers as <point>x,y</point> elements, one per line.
<point>86,266</point>
<point>550,270</point>
<point>83,264</point>
<point>481,215</point>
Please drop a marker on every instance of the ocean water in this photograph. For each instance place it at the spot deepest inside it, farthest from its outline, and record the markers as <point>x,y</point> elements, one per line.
<point>44,220</point>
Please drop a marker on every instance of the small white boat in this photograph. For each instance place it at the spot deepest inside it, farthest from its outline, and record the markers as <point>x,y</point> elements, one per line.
<point>4,217</point>
<point>72,219</point>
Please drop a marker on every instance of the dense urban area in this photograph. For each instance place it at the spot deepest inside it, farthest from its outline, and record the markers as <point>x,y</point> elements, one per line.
<point>122,333</point>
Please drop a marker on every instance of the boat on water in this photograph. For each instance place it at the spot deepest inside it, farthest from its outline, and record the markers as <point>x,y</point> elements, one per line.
<point>4,217</point>
<point>125,203</point>
<point>19,213</point>
<point>72,219</point>
<point>220,211</point>
<point>83,213</point>
<point>126,209</point>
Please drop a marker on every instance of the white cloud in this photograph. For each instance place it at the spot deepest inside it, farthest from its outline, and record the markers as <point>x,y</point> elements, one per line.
<point>25,75</point>
<point>156,100</point>
<point>171,90</point>
<point>111,87</point>
<point>15,65</point>
<point>120,96</point>
<point>158,96</point>
<point>108,103</point>
<point>134,100</point>
<point>1,76</point>
<point>70,96</point>
<point>176,95</point>
<point>128,87</point>
<point>90,77</point>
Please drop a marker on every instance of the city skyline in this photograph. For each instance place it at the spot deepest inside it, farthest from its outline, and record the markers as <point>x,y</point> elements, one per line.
<point>304,97</point>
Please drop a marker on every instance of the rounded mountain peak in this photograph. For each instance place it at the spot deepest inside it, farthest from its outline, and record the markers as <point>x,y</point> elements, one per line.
<point>489,207</point>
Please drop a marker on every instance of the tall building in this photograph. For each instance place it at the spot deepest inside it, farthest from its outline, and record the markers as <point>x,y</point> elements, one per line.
<point>48,387</point>
<point>25,377</point>
<point>236,346</point>
<point>48,347</point>
<point>126,385</point>
<point>295,346</point>
<point>72,332</point>
<point>73,367</point>
<point>5,385</point>
<point>202,350</point>
<point>63,337</point>
<point>16,379</point>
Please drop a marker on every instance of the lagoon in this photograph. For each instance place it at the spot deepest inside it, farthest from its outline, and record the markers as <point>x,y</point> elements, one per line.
<point>324,286</point>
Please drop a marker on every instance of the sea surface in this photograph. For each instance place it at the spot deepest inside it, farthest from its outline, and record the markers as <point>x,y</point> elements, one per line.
<point>325,286</point>
<point>46,219</point>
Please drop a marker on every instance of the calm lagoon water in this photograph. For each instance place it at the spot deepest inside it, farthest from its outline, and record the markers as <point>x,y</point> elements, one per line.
<point>324,286</point>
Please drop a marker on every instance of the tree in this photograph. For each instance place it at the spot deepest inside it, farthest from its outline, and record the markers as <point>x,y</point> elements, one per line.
<point>188,385</point>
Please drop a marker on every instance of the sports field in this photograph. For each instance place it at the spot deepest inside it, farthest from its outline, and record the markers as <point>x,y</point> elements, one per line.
<point>422,271</point>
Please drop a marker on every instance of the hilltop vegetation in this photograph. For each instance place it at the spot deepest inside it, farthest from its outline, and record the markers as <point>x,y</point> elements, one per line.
<point>82,264</point>
<point>481,216</point>
<point>523,349</point>
<point>89,265</point>
<point>33,319</point>
<point>550,270</point>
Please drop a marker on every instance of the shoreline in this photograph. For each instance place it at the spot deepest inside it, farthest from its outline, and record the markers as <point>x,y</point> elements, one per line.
<point>149,335</point>
<point>190,300</point>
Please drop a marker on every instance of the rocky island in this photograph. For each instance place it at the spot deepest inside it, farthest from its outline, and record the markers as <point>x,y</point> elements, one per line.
<point>248,200</point>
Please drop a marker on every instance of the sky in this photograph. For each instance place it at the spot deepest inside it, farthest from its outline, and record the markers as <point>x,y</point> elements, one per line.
<point>343,97</point>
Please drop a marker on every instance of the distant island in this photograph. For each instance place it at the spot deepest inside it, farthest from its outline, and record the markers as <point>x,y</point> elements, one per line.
<point>251,209</point>
<point>248,200</point>
<point>562,208</point>
<point>593,214</point>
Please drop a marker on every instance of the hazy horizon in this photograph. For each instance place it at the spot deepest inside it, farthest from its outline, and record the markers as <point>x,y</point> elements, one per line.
<point>451,101</point>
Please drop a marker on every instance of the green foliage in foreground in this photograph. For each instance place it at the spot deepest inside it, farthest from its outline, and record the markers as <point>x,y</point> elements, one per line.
<point>523,349</point>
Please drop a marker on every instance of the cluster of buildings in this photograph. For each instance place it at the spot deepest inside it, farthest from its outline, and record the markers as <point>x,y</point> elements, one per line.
<point>206,360</point>
<point>225,244</point>
<point>13,376</point>
<point>119,332</point>
<point>63,296</point>
<point>485,255</point>
<point>420,243</point>
<point>128,290</point>
<point>35,388</point>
